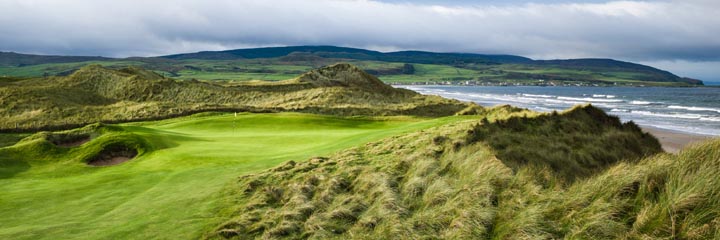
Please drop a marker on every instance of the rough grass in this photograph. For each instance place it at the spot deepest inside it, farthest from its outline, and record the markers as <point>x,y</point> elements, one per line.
<point>96,94</point>
<point>170,190</point>
<point>661,197</point>
<point>401,188</point>
<point>574,143</point>
<point>444,183</point>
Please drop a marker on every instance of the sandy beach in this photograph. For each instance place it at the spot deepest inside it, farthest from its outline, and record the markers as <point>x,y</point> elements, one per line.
<point>674,141</point>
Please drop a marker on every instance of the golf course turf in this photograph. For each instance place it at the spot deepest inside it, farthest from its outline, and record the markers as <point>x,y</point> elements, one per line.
<point>173,186</point>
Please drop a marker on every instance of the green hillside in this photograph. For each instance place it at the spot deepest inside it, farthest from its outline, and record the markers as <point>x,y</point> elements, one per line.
<point>19,60</point>
<point>353,53</point>
<point>405,67</point>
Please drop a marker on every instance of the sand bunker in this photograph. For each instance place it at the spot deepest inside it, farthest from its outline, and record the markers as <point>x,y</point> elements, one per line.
<point>113,155</point>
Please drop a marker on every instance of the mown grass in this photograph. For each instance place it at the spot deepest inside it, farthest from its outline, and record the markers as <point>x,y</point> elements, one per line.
<point>171,189</point>
<point>9,139</point>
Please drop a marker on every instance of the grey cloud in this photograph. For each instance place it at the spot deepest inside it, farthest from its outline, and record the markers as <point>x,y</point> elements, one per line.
<point>630,30</point>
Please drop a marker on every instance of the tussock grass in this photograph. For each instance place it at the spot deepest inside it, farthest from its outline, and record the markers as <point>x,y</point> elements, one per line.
<point>449,183</point>
<point>574,143</point>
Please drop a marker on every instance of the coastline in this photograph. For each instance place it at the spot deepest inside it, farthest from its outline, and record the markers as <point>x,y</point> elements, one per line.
<point>674,141</point>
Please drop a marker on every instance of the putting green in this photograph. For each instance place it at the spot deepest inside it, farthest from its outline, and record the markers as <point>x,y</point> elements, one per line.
<point>173,190</point>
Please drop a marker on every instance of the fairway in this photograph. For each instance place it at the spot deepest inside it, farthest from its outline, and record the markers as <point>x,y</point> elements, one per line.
<point>172,191</point>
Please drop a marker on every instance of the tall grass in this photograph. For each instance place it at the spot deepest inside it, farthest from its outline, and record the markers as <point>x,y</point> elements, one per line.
<point>574,143</point>
<point>447,183</point>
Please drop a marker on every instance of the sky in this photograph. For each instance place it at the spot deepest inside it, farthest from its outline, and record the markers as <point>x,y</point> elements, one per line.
<point>680,36</point>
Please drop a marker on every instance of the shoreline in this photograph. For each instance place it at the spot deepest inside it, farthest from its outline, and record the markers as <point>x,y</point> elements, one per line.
<point>674,141</point>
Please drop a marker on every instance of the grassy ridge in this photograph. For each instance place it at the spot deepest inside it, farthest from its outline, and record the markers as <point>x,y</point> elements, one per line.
<point>575,144</point>
<point>170,189</point>
<point>448,183</point>
<point>17,59</point>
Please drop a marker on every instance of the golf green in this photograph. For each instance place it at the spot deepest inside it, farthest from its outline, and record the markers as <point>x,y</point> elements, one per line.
<point>173,189</point>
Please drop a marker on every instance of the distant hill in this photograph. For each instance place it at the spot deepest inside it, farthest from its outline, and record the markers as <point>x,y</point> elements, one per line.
<point>98,94</point>
<point>275,63</point>
<point>315,52</point>
<point>354,53</point>
<point>610,64</point>
<point>17,59</point>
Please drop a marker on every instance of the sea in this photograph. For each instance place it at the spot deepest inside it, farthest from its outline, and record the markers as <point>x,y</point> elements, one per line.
<point>689,110</point>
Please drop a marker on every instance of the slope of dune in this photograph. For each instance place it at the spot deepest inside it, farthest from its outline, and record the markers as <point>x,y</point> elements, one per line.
<point>98,94</point>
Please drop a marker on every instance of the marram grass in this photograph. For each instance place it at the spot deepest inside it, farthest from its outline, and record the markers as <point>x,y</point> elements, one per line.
<point>447,183</point>
<point>97,94</point>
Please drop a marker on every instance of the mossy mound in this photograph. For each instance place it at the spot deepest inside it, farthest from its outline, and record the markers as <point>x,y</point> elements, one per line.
<point>347,75</point>
<point>101,145</point>
<point>70,140</point>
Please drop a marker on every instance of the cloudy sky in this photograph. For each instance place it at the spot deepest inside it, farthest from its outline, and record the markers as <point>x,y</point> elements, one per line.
<point>680,36</point>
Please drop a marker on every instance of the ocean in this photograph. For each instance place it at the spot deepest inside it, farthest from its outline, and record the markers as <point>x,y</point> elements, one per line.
<point>690,110</point>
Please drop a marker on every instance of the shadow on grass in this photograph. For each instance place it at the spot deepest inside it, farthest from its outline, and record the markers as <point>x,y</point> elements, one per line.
<point>163,139</point>
<point>574,144</point>
<point>10,167</point>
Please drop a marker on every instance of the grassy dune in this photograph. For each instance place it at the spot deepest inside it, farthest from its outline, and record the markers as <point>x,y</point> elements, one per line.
<point>171,189</point>
<point>499,175</point>
<point>97,94</point>
<point>448,183</point>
